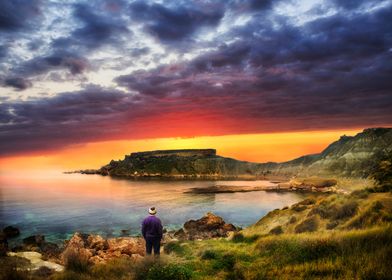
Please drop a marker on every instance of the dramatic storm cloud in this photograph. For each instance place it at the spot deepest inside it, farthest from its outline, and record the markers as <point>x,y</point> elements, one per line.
<point>84,71</point>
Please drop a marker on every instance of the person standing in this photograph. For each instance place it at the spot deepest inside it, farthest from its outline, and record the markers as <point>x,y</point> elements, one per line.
<point>152,232</point>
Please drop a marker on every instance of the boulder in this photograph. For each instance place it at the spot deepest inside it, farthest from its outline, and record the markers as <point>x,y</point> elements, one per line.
<point>98,250</point>
<point>50,250</point>
<point>3,245</point>
<point>209,226</point>
<point>76,246</point>
<point>96,242</point>
<point>36,260</point>
<point>127,245</point>
<point>11,232</point>
<point>34,240</point>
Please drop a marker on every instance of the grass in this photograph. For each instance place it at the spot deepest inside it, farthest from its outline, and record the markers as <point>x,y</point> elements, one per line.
<point>76,260</point>
<point>126,268</point>
<point>308,225</point>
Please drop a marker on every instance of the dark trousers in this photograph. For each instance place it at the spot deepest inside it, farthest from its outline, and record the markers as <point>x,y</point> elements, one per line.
<point>153,242</point>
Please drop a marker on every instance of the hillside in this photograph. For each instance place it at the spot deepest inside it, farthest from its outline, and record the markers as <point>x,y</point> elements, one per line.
<point>350,156</point>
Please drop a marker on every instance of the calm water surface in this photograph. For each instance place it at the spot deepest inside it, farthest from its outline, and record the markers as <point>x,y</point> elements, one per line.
<point>57,205</point>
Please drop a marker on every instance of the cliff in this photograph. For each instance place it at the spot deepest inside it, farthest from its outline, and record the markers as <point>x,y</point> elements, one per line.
<point>350,156</point>
<point>191,163</point>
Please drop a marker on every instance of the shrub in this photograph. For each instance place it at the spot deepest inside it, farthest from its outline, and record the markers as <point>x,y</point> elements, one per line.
<point>142,268</point>
<point>14,268</point>
<point>360,194</point>
<point>346,210</point>
<point>225,261</point>
<point>276,230</point>
<point>239,237</point>
<point>292,220</point>
<point>375,214</point>
<point>308,201</point>
<point>209,255</point>
<point>169,272</point>
<point>324,210</point>
<point>308,225</point>
<point>332,225</point>
<point>336,211</point>
<point>298,207</point>
<point>76,260</point>
<point>175,247</point>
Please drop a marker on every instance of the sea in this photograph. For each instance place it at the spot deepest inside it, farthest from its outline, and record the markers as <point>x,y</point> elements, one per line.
<point>56,205</point>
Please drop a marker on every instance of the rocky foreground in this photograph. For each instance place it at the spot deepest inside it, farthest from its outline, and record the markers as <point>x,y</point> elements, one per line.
<point>97,250</point>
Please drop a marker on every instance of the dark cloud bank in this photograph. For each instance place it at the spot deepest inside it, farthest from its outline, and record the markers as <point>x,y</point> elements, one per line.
<point>331,72</point>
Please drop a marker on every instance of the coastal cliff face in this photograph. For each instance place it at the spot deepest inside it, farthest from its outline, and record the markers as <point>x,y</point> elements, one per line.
<point>179,163</point>
<point>350,156</point>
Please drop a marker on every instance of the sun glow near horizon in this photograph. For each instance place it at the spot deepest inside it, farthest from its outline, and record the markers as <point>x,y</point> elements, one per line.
<point>249,147</point>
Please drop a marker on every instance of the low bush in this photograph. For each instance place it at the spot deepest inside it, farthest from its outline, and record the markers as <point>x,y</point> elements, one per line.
<point>308,225</point>
<point>76,260</point>
<point>308,201</point>
<point>292,220</point>
<point>332,224</point>
<point>276,230</point>
<point>14,268</point>
<point>174,247</point>
<point>239,238</point>
<point>345,210</point>
<point>360,194</point>
<point>298,207</point>
<point>373,215</point>
<point>224,262</point>
<point>337,211</point>
<point>209,255</point>
<point>169,272</point>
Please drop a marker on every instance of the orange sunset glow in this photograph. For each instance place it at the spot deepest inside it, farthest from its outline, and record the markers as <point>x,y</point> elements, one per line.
<point>276,147</point>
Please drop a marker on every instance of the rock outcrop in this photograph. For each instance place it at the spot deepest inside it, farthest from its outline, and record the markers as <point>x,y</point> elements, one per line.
<point>225,189</point>
<point>36,261</point>
<point>95,249</point>
<point>11,232</point>
<point>207,227</point>
<point>312,184</point>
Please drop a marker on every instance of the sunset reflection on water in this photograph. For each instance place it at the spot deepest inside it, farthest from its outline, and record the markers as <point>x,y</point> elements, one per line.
<point>57,205</point>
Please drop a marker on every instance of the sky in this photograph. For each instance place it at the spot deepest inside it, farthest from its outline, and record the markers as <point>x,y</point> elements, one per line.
<point>82,82</point>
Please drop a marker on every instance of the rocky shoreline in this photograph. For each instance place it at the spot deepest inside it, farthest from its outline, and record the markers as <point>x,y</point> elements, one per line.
<point>314,184</point>
<point>95,249</point>
<point>281,184</point>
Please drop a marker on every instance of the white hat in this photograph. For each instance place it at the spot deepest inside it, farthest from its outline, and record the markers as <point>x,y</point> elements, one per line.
<point>152,211</point>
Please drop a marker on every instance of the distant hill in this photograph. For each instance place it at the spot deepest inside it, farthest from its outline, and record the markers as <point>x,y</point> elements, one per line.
<point>348,157</point>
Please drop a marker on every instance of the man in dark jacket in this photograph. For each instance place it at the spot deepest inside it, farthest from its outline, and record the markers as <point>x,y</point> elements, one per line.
<point>152,232</point>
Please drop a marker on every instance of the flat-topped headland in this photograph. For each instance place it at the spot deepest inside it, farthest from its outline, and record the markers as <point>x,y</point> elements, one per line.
<point>179,153</point>
<point>350,156</point>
